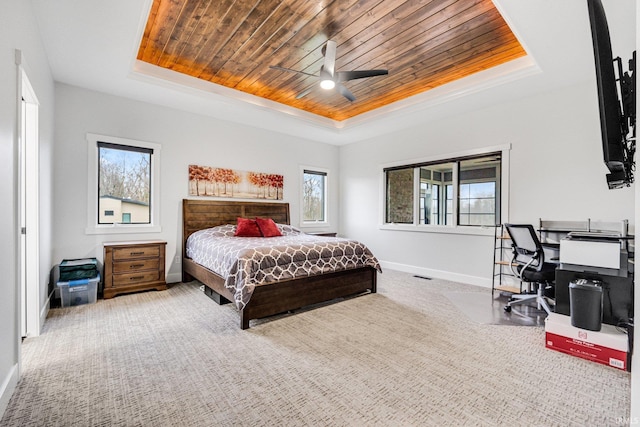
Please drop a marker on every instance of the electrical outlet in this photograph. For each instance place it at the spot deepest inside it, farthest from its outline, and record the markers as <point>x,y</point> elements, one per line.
<point>177,259</point>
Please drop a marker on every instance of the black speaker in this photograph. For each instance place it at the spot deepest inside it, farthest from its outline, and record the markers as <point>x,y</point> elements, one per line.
<point>585,304</point>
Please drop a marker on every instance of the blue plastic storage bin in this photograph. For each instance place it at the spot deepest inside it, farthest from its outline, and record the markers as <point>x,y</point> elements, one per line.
<point>77,292</point>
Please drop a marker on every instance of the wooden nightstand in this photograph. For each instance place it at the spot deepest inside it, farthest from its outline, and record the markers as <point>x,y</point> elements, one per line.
<point>133,266</point>
<point>324,233</point>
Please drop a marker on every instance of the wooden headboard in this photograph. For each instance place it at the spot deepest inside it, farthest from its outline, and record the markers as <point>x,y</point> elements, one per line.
<point>201,214</point>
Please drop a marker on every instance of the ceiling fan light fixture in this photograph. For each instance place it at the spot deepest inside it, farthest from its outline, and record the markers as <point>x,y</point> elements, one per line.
<point>329,78</point>
<point>327,84</point>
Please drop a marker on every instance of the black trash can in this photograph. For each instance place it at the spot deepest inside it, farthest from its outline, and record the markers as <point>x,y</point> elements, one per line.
<point>585,304</point>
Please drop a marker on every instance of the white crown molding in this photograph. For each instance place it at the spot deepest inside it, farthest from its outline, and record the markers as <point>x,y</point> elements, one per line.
<point>226,99</point>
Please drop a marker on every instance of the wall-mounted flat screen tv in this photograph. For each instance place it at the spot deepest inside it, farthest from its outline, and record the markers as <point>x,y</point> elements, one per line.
<point>617,119</point>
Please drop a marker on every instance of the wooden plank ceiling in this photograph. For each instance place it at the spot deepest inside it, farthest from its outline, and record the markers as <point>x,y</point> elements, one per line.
<point>423,44</point>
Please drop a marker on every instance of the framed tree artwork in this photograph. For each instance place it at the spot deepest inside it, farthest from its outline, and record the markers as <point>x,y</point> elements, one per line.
<point>210,181</point>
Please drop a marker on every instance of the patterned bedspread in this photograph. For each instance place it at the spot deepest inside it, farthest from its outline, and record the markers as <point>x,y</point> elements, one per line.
<point>247,262</point>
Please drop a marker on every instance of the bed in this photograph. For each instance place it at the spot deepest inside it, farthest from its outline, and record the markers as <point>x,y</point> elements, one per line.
<point>277,296</point>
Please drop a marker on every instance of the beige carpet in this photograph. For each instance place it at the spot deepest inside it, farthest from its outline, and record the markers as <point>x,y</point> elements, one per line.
<point>402,357</point>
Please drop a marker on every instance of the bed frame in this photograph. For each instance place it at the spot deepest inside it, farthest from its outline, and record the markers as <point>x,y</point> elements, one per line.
<point>273,298</point>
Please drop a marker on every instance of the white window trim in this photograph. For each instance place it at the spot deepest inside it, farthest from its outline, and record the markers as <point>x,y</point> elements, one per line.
<point>449,229</point>
<point>315,224</point>
<point>92,192</point>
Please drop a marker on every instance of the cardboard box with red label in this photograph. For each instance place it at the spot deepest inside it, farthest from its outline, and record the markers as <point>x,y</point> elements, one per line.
<point>608,346</point>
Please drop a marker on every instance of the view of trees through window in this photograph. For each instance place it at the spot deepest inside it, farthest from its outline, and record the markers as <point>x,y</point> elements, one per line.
<point>124,184</point>
<point>313,198</point>
<point>478,203</point>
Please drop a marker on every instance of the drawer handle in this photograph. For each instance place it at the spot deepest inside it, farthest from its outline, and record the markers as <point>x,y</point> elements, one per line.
<point>136,253</point>
<point>136,265</point>
<point>136,277</point>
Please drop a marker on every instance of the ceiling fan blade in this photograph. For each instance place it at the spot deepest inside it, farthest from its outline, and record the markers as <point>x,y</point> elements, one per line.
<point>276,67</point>
<point>345,92</point>
<point>304,92</point>
<point>343,76</point>
<point>330,58</point>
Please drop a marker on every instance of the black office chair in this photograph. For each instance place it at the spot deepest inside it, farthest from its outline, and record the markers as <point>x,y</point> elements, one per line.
<point>529,266</point>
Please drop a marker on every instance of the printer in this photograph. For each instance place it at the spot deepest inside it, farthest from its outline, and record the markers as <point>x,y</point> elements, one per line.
<point>602,257</point>
<point>595,252</point>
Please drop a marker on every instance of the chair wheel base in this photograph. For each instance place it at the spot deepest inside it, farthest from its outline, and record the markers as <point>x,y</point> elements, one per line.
<point>507,308</point>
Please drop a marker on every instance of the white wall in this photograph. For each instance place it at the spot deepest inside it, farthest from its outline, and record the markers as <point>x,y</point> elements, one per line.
<point>18,31</point>
<point>186,139</point>
<point>556,171</point>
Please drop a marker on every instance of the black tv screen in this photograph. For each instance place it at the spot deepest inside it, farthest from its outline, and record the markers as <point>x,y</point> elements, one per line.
<point>611,119</point>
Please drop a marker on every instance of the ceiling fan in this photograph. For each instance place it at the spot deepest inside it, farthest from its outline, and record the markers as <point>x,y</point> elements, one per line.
<point>329,77</point>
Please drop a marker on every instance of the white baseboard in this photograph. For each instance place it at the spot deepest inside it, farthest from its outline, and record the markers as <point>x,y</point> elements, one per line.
<point>438,274</point>
<point>44,312</point>
<point>7,388</point>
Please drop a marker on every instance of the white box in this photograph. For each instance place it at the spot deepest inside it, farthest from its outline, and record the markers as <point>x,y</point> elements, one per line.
<point>608,346</point>
<point>594,253</point>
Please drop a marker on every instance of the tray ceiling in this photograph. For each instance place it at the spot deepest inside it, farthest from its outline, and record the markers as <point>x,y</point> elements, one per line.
<point>423,44</point>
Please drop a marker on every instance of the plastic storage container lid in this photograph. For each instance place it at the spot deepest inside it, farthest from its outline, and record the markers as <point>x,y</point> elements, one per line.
<point>80,282</point>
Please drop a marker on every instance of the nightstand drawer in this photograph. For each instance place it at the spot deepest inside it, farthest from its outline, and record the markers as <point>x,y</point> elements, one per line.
<point>134,265</point>
<point>136,252</point>
<point>135,278</point>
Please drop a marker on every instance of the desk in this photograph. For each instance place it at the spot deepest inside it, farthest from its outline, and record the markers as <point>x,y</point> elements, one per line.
<point>617,295</point>
<point>618,290</point>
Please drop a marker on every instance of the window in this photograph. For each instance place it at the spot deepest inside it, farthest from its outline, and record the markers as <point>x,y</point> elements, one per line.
<point>478,194</point>
<point>314,196</point>
<point>123,185</point>
<point>433,178</point>
<point>400,196</point>
<point>458,191</point>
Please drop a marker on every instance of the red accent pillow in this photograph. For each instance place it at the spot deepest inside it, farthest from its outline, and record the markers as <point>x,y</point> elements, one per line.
<point>268,227</point>
<point>247,228</point>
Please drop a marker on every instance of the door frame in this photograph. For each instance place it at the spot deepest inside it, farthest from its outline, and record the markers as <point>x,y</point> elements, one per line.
<point>28,209</point>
